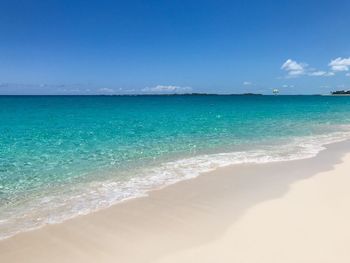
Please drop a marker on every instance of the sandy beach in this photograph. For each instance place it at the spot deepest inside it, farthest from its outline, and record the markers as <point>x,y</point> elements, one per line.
<point>174,132</point>
<point>296,211</point>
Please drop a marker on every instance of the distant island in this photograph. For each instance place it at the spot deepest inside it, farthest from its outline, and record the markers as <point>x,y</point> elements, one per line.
<point>250,94</point>
<point>341,92</point>
<point>185,94</point>
<point>203,94</point>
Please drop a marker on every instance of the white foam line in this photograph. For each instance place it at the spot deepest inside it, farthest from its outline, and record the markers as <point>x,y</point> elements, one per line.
<point>83,199</point>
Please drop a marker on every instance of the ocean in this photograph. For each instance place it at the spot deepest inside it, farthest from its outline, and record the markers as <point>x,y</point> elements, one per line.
<point>63,156</point>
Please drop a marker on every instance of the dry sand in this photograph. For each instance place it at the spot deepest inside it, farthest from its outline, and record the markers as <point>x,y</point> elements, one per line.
<point>297,211</point>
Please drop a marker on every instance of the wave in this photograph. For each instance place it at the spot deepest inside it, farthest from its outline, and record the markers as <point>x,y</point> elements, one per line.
<point>58,205</point>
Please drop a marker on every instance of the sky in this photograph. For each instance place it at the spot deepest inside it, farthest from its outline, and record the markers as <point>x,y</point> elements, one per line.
<point>150,47</point>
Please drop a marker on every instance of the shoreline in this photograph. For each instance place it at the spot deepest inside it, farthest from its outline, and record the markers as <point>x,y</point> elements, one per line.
<point>183,216</point>
<point>101,195</point>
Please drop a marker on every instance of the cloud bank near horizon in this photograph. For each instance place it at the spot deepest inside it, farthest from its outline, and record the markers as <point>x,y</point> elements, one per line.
<point>167,89</point>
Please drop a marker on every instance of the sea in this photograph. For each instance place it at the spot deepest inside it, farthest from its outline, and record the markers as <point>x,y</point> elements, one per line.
<point>64,156</point>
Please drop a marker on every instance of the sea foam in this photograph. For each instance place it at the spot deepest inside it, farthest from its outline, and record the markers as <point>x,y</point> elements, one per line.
<point>83,198</point>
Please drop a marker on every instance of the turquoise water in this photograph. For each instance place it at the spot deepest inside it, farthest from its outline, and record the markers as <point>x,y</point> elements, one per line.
<point>65,156</point>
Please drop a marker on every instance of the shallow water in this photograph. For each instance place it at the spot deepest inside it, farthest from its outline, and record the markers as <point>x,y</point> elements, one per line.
<point>64,156</point>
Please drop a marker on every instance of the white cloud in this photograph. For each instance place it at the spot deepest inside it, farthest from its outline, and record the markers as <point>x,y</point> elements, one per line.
<point>340,64</point>
<point>106,90</point>
<point>287,86</point>
<point>247,83</point>
<point>320,73</point>
<point>166,89</point>
<point>329,74</point>
<point>317,73</point>
<point>294,68</point>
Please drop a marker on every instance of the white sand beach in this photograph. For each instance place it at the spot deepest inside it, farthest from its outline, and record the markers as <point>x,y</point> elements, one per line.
<point>296,211</point>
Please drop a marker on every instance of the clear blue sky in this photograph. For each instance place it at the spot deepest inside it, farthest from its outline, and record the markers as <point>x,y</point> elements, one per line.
<point>94,47</point>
